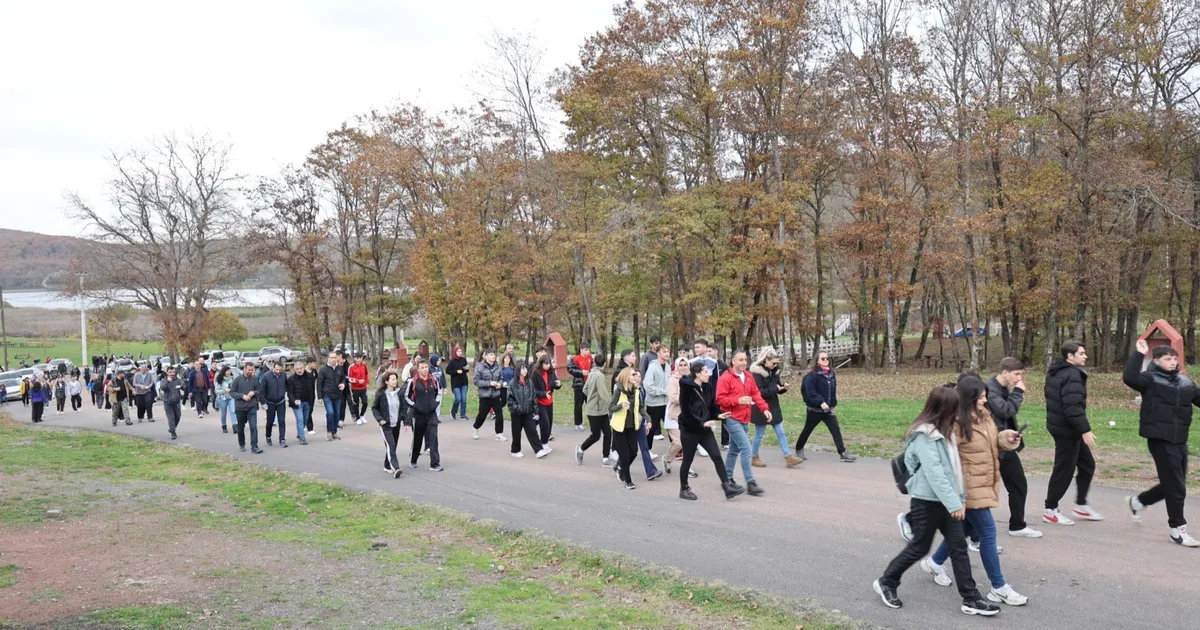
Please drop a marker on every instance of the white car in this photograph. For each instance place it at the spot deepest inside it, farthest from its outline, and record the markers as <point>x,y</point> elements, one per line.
<point>275,353</point>
<point>249,358</point>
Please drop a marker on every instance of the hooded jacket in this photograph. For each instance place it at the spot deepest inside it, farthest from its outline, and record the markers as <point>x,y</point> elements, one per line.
<point>435,370</point>
<point>423,397</point>
<point>1167,399</point>
<point>1066,400</point>
<point>935,472</point>
<point>768,385</point>
<point>357,375</point>
<point>655,384</point>
<point>596,393</point>
<point>730,388</point>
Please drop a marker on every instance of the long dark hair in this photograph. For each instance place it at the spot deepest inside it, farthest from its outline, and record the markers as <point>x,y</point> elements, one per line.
<point>538,369</point>
<point>221,375</point>
<point>383,386</point>
<point>969,390</point>
<point>941,410</point>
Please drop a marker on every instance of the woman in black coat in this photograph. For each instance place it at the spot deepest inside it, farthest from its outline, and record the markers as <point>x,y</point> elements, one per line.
<point>388,410</point>
<point>522,404</point>
<point>766,376</point>
<point>820,398</point>
<point>698,414</point>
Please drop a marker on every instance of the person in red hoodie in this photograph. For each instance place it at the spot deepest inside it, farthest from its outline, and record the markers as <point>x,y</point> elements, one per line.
<point>736,393</point>
<point>358,389</point>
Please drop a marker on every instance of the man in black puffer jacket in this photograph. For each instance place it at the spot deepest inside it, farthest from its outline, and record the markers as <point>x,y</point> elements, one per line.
<point>1166,416</point>
<point>1067,423</point>
<point>1005,393</point>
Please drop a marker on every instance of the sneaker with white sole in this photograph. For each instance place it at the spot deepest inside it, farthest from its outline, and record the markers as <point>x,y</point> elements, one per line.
<point>546,450</point>
<point>973,545</point>
<point>1054,517</point>
<point>518,455</point>
<point>1135,507</point>
<point>1086,513</point>
<point>608,462</point>
<point>475,434</point>
<point>940,577</point>
<point>1179,536</point>
<point>980,607</point>
<point>579,455</point>
<point>500,437</point>
<point>658,438</point>
<point>701,452</point>
<point>1006,595</point>
<point>1025,532</point>
<point>905,527</point>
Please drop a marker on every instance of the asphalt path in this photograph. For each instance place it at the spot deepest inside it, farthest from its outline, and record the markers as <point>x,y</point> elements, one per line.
<point>823,531</point>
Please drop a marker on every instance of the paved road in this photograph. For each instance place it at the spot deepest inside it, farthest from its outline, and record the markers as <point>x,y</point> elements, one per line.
<point>824,531</point>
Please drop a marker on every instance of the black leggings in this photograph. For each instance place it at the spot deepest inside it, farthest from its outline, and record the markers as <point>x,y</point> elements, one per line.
<point>76,402</point>
<point>358,403</point>
<point>811,420</point>
<point>709,442</point>
<point>927,518</point>
<point>626,446</point>
<point>494,404</point>
<point>600,431</point>
<point>525,422</point>
<point>545,421</point>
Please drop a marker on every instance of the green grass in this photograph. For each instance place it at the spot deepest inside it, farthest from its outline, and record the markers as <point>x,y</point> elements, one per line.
<point>8,575</point>
<point>497,577</point>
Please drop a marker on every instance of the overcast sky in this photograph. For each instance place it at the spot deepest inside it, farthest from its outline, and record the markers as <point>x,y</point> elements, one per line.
<point>80,78</point>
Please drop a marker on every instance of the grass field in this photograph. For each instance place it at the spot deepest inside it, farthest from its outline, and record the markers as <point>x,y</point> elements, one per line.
<point>160,537</point>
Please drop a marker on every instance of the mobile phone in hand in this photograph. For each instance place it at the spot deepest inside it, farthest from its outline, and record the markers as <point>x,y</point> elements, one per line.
<point>1023,428</point>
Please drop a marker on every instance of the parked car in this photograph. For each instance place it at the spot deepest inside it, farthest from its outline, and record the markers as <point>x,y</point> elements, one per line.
<point>126,366</point>
<point>275,353</point>
<point>12,385</point>
<point>27,372</point>
<point>232,359</point>
<point>249,358</point>
<point>966,332</point>
<point>56,362</point>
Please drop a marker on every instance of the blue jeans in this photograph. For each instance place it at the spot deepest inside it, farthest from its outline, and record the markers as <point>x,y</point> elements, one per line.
<point>226,406</point>
<point>302,413</point>
<point>331,413</point>
<point>644,445</point>
<point>980,523</point>
<point>739,444</point>
<point>460,398</point>
<point>761,429</point>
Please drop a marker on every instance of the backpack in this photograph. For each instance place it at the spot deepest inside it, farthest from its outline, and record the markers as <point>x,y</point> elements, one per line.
<point>900,473</point>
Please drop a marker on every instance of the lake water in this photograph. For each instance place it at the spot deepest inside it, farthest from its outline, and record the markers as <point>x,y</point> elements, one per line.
<point>51,299</point>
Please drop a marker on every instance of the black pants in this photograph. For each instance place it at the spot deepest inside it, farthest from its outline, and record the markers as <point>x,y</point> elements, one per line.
<point>174,412</point>
<point>1013,474</point>
<point>601,432</point>
<point>812,419</point>
<point>391,437</point>
<point>244,417</point>
<point>201,396</point>
<point>76,402</point>
<point>145,405</point>
<point>37,411</point>
<point>545,421</point>
<point>709,442</point>
<point>525,422</point>
<point>493,404</point>
<point>656,419</point>
<point>61,403</point>
<point>579,400</point>
<point>25,399</point>
<point>425,428</point>
<point>358,403</point>
<point>1069,454</point>
<point>927,518</point>
<point>277,414</point>
<point>1171,462</point>
<point>626,446</point>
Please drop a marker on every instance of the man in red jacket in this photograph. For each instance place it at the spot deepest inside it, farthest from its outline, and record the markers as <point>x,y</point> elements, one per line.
<point>736,392</point>
<point>358,389</point>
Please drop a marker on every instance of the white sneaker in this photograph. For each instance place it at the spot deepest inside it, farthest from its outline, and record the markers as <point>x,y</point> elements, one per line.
<point>940,577</point>
<point>546,450</point>
<point>500,437</point>
<point>1135,507</point>
<point>658,438</point>
<point>1025,533</point>
<point>654,457</point>
<point>518,455</point>
<point>974,546</point>
<point>701,452</point>
<point>1086,513</point>
<point>608,462</point>
<point>1006,595</point>
<point>1180,536</point>
<point>475,434</point>
<point>1054,517</point>
<point>905,528</point>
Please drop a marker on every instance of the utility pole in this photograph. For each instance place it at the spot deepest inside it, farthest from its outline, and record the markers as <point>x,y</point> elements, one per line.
<point>83,360</point>
<point>3,330</point>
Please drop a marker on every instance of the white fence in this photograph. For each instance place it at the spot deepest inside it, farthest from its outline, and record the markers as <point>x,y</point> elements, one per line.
<point>835,348</point>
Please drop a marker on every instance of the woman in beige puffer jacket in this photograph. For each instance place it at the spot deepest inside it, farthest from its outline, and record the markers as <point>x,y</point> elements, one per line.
<point>979,448</point>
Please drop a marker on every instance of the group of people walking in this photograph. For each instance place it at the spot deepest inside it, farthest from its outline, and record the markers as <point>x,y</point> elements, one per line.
<point>966,441</point>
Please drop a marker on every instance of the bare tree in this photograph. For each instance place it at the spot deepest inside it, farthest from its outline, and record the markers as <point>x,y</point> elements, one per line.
<point>168,241</point>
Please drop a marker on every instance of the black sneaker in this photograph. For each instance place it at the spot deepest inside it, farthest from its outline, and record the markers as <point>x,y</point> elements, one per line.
<point>396,473</point>
<point>753,489</point>
<point>891,600</point>
<point>256,450</point>
<point>629,486</point>
<point>848,458</point>
<point>687,494</point>
<point>224,429</point>
<point>282,444</point>
<point>979,606</point>
<point>656,475</point>
<point>243,449</point>
<point>732,490</point>
<point>269,442</point>
<point>173,436</point>
<point>733,484</point>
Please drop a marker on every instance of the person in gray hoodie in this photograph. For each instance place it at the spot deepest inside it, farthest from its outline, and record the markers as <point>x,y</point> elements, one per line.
<point>655,386</point>
<point>274,394</point>
<point>245,394</point>
<point>938,502</point>
<point>489,378</point>
<point>173,390</point>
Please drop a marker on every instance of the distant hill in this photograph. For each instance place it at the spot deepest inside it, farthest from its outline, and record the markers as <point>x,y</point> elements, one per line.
<point>36,261</point>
